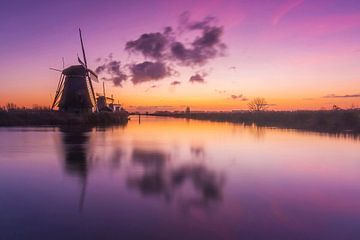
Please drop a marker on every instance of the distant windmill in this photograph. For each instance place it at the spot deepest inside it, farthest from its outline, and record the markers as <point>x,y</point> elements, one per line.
<point>75,92</point>
<point>102,102</point>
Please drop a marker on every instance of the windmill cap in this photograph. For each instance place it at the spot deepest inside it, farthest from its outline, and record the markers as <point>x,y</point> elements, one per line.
<point>75,70</point>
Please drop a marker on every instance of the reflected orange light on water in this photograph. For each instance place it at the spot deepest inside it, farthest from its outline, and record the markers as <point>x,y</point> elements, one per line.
<point>210,175</point>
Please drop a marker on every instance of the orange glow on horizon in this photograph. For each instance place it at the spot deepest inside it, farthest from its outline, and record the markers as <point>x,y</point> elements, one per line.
<point>212,102</point>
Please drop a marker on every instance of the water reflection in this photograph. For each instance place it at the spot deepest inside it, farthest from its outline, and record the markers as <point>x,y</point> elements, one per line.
<point>152,179</point>
<point>75,148</point>
<point>178,179</point>
<point>197,151</point>
<point>115,159</point>
<point>75,142</point>
<point>159,177</point>
<point>152,172</point>
<point>208,185</point>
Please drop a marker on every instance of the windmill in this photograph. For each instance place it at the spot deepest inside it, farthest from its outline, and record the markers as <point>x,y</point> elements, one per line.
<point>102,102</point>
<point>75,92</point>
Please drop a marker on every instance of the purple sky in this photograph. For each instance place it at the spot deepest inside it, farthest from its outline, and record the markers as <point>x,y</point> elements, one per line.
<point>284,50</point>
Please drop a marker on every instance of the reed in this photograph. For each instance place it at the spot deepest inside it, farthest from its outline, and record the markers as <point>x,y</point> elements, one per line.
<point>45,117</point>
<point>322,121</point>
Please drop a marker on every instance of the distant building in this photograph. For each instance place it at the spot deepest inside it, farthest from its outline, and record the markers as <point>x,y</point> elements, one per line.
<point>187,111</point>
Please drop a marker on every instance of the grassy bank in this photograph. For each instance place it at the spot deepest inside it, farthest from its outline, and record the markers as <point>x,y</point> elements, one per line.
<point>323,121</point>
<point>52,118</point>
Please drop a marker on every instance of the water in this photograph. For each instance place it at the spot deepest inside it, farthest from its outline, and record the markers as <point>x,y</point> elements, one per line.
<point>176,179</point>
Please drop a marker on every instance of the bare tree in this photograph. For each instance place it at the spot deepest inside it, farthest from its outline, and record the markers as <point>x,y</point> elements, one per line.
<point>11,106</point>
<point>258,104</point>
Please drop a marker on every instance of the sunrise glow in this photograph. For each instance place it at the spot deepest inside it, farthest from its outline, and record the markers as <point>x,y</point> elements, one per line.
<point>297,54</point>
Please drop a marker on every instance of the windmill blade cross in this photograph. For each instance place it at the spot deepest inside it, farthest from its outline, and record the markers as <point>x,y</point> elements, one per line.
<point>55,69</point>
<point>81,62</point>
<point>93,76</point>
<point>87,72</point>
<point>82,48</point>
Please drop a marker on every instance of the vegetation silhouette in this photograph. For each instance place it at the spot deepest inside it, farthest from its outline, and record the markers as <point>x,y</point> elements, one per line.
<point>331,121</point>
<point>258,104</point>
<point>11,115</point>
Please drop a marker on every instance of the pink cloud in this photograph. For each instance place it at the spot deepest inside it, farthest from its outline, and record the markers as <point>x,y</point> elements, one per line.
<point>284,9</point>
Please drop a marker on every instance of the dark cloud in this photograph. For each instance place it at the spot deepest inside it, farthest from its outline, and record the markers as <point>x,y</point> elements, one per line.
<point>174,83</point>
<point>152,86</point>
<point>210,37</point>
<point>200,25</point>
<point>204,47</point>
<point>112,71</point>
<point>100,69</point>
<point>220,91</point>
<point>118,80</point>
<point>149,71</point>
<point>161,46</point>
<point>342,96</point>
<point>149,44</point>
<point>238,97</point>
<point>199,78</point>
<point>186,23</point>
<point>167,49</point>
<point>232,68</point>
<point>168,30</point>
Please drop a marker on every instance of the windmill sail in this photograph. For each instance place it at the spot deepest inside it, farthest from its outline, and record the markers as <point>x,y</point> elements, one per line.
<point>93,76</point>
<point>81,62</point>
<point>93,99</point>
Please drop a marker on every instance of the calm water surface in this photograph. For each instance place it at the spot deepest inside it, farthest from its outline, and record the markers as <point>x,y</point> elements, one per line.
<point>175,179</point>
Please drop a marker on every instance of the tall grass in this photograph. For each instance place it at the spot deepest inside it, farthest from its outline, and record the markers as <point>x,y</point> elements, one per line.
<point>45,117</point>
<point>323,121</point>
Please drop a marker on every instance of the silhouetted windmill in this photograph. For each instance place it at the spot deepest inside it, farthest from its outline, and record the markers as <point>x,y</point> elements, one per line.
<point>102,102</point>
<point>75,92</point>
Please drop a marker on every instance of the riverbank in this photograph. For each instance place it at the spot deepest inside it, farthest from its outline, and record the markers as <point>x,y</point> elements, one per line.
<point>337,121</point>
<point>54,118</point>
